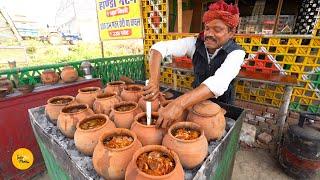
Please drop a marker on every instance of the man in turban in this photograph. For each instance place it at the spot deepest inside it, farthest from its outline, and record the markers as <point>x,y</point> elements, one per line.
<point>216,60</point>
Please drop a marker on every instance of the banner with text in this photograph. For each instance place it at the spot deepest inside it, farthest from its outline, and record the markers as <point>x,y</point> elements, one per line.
<point>119,19</point>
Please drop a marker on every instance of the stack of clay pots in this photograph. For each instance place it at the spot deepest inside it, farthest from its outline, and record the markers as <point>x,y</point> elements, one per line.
<point>120,142</point>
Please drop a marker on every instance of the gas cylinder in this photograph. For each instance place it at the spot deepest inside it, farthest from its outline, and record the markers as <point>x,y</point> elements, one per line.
<point>300,152</point>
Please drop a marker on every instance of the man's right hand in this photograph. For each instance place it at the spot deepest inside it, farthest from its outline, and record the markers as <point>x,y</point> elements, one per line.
<point>151,91</point>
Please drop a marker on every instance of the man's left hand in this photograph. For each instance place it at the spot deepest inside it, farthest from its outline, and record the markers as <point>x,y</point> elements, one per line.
<point>170,114</point>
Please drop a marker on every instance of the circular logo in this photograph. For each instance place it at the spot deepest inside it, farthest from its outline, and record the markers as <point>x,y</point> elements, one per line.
<point>22,158</point>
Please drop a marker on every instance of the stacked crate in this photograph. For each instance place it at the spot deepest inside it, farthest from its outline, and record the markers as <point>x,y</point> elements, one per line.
<point>297,55</point>
<point>307,15</point>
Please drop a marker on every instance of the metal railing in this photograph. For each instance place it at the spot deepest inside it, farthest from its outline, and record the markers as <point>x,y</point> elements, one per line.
<point>108,69</point>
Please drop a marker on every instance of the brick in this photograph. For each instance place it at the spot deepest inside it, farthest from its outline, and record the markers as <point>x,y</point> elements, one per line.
<point>259,107</point>
<point>273,110</point>
<point>269,131</point>
<point>265,138</point>
<point>268,115</point>
<point>260,119</point>
<point>275,129</point>
<point>261,145</point>
<point>294,115</point>
<point>292,121</point>
<point>270,121</point>
<point>250,116</point>
<point>248,134</point>
<point>253,122</point>
<point>257,112</point>
<point>263,125</point>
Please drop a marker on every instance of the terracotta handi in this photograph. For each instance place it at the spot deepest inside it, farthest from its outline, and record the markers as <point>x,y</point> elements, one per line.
<point>56,104</point>
<point>210,116</point>
<point>49,77</point>
<point>70,116</point>
<point>123,113</point>
<point>188,141</point>
<point>154,162</point>
<point>88,95</point>
<point>147,134</point>
<point>155,104</point>
<point>89,130</point>
<point>132,93</point>
<point>115,87</point>
<point>7,84</point>
<point>104,102</point>
<point>113,153</point>
<point>69,74</point>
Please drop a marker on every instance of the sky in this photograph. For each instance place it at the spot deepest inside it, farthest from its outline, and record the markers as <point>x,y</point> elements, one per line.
<point>42,11</point>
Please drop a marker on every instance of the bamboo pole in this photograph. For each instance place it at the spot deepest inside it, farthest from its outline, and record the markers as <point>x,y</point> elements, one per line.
<point>179,16</point>
<point>101,41</point>
<point>277,15</point>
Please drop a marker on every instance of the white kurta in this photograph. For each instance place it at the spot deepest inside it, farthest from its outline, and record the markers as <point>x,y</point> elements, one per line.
<point>219,82</point>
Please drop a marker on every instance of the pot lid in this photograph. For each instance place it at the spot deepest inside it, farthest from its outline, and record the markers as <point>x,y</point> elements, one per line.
<point>206,108</point>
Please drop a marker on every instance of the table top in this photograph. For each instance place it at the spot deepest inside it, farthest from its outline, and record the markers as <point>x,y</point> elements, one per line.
<point>252,76</point>
<point>43,87</point>
<point>78,165</point>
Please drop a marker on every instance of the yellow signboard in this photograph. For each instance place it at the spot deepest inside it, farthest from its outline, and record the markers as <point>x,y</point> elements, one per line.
<point>119,19</point>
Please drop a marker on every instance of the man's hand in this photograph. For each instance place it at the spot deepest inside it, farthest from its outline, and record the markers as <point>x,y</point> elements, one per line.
<point>171,113</point>
<point>151,91</point>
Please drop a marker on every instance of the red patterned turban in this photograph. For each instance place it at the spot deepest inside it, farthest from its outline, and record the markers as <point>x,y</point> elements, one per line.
<point>221,10</point>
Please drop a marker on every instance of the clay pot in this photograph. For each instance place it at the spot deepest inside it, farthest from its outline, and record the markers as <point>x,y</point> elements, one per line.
<point>104,102</point>
<point>155,104</point>
<point>70,116</point>
<point>56,104</point>
<point>25,89</point>
<point>3,92</point>
<point>132,93</point>
<point>49,77</point>
<point>7,84</point>
<point>115,87</point>
<point>111,163</point>
<point>210,117</point>
<point>147,134</point>
<point>123,113</point>
<point>87,95</point>
<point>191,151</point>
<point>133,172</point>
<point>69,74</point>
<point>89,130</point>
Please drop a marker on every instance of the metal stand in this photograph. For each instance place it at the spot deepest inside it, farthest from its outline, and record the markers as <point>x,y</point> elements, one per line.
<point>283,113</point>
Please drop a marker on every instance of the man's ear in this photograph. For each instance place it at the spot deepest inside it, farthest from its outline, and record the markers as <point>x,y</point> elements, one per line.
<point>232,31</point>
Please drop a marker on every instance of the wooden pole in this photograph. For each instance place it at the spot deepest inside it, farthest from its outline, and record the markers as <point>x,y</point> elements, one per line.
<point>277,15</point>
<point>179,16</point>
<point>101,42</point>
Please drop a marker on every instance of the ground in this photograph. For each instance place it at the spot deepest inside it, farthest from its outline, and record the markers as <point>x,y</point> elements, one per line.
<point>253,164</point>
<point>257,164</point>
